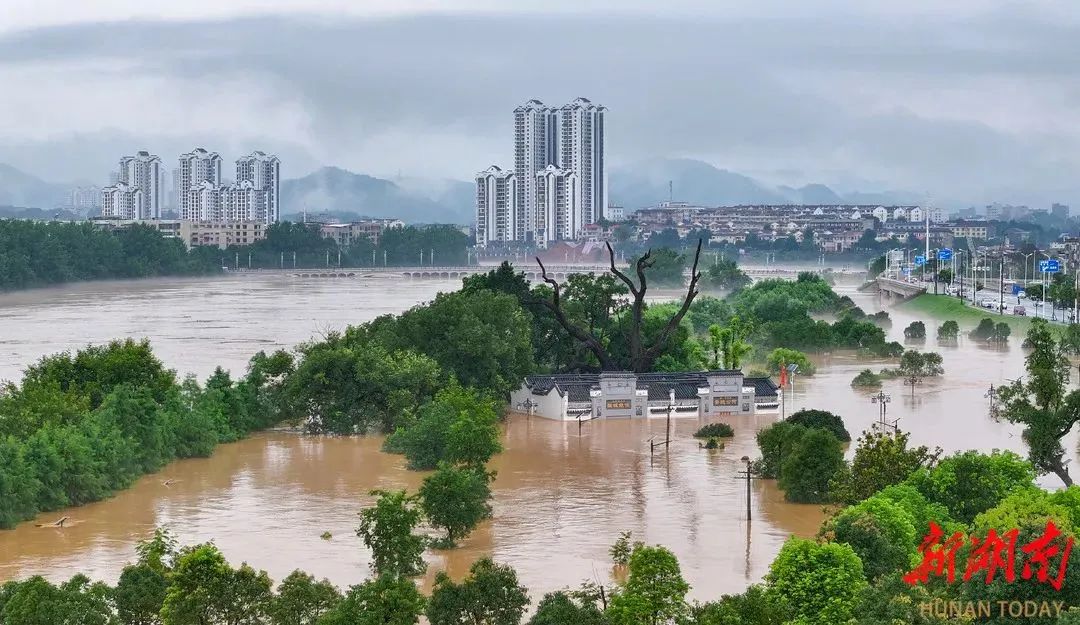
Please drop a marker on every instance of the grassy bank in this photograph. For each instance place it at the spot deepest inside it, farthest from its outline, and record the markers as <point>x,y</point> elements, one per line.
<point>945,307</point>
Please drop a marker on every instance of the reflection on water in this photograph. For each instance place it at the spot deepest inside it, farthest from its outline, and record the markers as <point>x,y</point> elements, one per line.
<point>560,498</point>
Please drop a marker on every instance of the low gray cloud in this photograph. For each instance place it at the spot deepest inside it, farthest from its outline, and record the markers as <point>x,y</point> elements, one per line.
<point>967,106</point>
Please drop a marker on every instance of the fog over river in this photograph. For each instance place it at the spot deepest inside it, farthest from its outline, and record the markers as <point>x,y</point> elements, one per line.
<point>560,498</point>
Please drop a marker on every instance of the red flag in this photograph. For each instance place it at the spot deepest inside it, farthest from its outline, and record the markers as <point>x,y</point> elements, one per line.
<point>783,375</point>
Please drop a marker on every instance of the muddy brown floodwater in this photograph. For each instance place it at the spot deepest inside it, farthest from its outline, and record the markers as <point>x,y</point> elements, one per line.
<point>561,497</point>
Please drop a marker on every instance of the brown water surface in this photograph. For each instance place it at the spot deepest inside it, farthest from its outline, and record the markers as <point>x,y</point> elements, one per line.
<point>561,497</point>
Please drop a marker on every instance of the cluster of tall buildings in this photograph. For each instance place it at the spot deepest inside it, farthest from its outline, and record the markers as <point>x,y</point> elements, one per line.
<point>558,184</point>
<point>199,193</point>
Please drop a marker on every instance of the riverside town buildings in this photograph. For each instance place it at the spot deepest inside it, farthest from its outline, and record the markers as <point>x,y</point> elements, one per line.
<point>199,192</point>
<point>558,183</point>
<point>623,395</point>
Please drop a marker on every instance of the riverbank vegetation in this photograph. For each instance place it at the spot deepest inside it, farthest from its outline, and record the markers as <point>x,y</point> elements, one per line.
<point>35,254</point>
<point>1043,403</point>
<point>81,426</point>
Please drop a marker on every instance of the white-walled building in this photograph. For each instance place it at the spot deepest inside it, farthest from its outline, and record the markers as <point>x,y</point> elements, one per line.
<point>881,213</point>
<point>137,192</point>
<point>625,395</point>
<point>496,206</point>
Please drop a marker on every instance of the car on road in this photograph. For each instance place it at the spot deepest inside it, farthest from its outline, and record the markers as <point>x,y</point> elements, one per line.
<point>1020,311</point>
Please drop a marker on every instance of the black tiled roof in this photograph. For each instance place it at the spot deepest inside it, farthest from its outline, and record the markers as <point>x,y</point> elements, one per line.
<point>686,383</point>
<point>763,387</point>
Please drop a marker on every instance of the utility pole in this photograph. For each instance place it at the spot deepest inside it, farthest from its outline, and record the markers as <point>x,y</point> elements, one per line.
<point>283,260</point>
<point>748,476</point>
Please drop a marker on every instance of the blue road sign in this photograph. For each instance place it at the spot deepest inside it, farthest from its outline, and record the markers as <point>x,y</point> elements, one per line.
<point>920,260</point>
<point>1053,265</point>
<point>944,254</point>
<point>1042,266</point>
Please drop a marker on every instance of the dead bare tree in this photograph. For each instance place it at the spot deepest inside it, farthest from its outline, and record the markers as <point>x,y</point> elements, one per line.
<point>641,356</point>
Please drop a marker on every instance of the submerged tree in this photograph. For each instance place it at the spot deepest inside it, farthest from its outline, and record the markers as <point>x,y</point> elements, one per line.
<point>915,365</point>
<point>387,529</point>
<point>948,331</point>
<point>915,330</point>
<point>641,355</point>
<point>1041,404</point>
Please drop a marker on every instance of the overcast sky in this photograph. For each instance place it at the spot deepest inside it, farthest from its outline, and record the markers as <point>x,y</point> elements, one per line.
<point>967,100</point>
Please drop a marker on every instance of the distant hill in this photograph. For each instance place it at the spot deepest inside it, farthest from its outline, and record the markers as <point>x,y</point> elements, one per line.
<point>18,188</point>
<point>336,190</point>
<point>646,183</point>
<point>812,194</point>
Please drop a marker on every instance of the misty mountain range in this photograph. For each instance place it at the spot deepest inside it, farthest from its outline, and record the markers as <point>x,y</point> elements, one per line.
<point>336,190</point>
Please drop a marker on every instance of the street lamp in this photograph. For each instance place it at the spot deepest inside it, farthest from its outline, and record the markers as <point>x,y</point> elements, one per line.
<point>882,400</point>
<point>1044,289</point>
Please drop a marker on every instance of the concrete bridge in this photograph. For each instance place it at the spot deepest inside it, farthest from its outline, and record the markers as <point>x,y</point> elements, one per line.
<point>894,288</point>
<point>559,272</point>
<point>531,271</point>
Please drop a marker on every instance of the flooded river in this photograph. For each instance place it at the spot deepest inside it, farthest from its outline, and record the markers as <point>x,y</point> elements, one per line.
<point>561,497</point>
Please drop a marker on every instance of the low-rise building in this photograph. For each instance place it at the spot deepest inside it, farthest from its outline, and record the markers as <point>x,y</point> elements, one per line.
<point>970,229</point>
<point>220,234</point>
<point>624,395</point>
<point>347,234</point>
